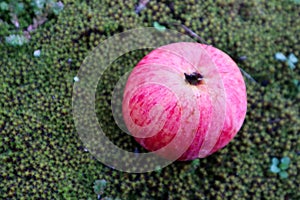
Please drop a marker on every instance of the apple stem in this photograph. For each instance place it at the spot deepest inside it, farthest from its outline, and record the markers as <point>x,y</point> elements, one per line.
<point>194,78</point>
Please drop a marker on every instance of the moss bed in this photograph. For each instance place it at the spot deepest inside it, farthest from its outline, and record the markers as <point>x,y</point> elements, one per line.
<point>42,157</point>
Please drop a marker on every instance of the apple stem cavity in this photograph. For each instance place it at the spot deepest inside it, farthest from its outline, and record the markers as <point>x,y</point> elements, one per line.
<point>194,78</point>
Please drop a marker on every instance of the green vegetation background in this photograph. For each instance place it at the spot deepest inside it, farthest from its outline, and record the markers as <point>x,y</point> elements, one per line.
<point>41,156</point>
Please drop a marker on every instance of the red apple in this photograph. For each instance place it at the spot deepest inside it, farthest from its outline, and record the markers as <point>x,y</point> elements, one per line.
<point>185,101</point>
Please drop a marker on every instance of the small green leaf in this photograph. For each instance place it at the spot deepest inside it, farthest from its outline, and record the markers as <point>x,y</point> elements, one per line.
<point>293,58</point>
<point>57,7</point>
<point>291,65</point>
<point>274,169</point>
<point>297,1</point>
<point>157,168</point>
<point>19,8</point>
<point>283,166</point>
<point>16,40</point>
<point>159,27</point>
<point>280,56</point>
<point>196,163</point>
<point>283,174</point>
<point>4,6</point>
<point>39,3</point>
<point>99,186</point>
<point>285,160</point>
<point>275,161</point>
<point>296,83</point>
<point>38,6</point>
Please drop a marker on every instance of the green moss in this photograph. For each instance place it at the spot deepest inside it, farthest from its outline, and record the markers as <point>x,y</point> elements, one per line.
<point>43,157</point>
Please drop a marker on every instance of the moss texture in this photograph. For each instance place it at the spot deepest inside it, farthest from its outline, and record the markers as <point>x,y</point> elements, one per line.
<point>42,157</point>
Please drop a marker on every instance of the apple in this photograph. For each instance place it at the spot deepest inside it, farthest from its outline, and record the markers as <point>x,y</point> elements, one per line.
<point>188,99</point>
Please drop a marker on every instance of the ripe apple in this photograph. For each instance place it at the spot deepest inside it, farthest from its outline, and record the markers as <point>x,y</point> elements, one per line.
<point>186,94</point>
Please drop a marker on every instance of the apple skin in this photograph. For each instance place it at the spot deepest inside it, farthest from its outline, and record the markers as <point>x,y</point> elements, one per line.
<point>151,83</point>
